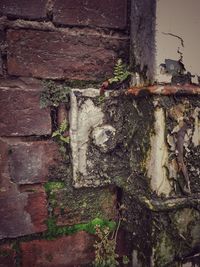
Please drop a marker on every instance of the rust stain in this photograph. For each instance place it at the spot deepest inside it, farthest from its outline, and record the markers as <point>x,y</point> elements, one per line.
<point>166,89</point>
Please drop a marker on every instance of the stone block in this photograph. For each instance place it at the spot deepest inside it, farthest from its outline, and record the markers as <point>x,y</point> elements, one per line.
<point>66,251</point>
<point>29,162</point>
<point>23,9</point>
<point>7,256</point>
<point>96,135</point>
<point>107,14</point>
<point>20,113</point>
<point>70,54</point>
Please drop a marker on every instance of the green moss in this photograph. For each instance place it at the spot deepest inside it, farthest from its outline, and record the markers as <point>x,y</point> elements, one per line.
<point>53,186</point>
<point>165,250</point>
<point>54,94</point>
<point>55,231</point>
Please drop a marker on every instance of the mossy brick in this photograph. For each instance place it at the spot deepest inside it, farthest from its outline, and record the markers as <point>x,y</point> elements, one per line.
<point>80,206</point>
<point>20,112</point>
<point>23,9</point>
<point>69,54</point>
<point>65,251</point>
<point>104,13</point>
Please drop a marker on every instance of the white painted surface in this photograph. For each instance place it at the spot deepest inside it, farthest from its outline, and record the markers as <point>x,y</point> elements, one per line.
<point>84,116</point>
<point>158,159</point>
<point>182,18</point>
<point>101,135</point>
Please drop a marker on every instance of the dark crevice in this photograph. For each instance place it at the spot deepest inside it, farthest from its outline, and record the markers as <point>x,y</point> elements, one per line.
<point>54,118</point>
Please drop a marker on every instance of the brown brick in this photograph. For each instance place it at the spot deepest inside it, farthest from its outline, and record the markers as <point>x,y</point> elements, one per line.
<point>22,211</point>
<point>23,8</point>
<point>63,55</point>
<point>7,256</point>
<point>69,251</point>
<point>29,162</point>
<point>80,206</point>
<point>20,113</point>
<point>104,13</point>
<point>1,65</point>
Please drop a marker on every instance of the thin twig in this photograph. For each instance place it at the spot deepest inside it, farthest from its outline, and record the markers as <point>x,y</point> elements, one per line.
<point>174,35</point>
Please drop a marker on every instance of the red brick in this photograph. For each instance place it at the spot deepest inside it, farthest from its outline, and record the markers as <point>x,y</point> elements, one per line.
<point>68,54</point>
<point>23,213</point>
<point>23,8</point>
<point>1,65</point>
<point>7,256</point>
<point>73,207</point>
<point>68,251</point>
<point>20,113</point>
<point>104,13</point>
<point>22,210</point>
<point>29,162</point>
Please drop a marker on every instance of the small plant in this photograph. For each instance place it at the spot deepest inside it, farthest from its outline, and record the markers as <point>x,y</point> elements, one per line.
<point>105,255</point>
<point>54,94</point>
<point>121,72</point>
<point>61,136</point>
<point>61,132</point>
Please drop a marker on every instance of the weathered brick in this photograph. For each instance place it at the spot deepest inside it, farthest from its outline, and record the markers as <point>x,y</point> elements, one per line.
<point>64,55</point>
<point>80,206</point>
<point>29,162</point>
<point>20,113</point>
<point>23,8</point>
<point>74,250</point>
<point>1,65</point>
<point>22,211</point>
<point>104,13</point>
<point>7,256</point>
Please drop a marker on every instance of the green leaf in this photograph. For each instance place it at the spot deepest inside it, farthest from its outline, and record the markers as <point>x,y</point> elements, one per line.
<point>64,139</point>
<point>63,126</point>
<point>56,133</point>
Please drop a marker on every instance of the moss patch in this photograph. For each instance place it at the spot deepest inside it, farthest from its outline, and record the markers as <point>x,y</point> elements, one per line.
<point>55,231</point>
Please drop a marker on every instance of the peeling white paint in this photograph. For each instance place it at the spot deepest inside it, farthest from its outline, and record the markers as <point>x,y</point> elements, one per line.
<point>196,133</point>
<point>84,117</point>
<point>158,161</point>
<point>181,18</point>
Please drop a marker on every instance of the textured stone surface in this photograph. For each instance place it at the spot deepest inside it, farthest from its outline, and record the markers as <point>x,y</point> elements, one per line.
<point>22,211</point>
<point>23,9</point>
<point>29,162</point>
<point>79,206</point>
<point>104,13</point>
<point>143,22</point>
<point>7,256</point>
<point>20,113</point>
<point>85,117</point>
<point>66,251</point>
<point>63,55</point>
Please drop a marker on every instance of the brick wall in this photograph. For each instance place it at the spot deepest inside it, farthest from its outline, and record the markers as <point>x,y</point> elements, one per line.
<point>64,41</point>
